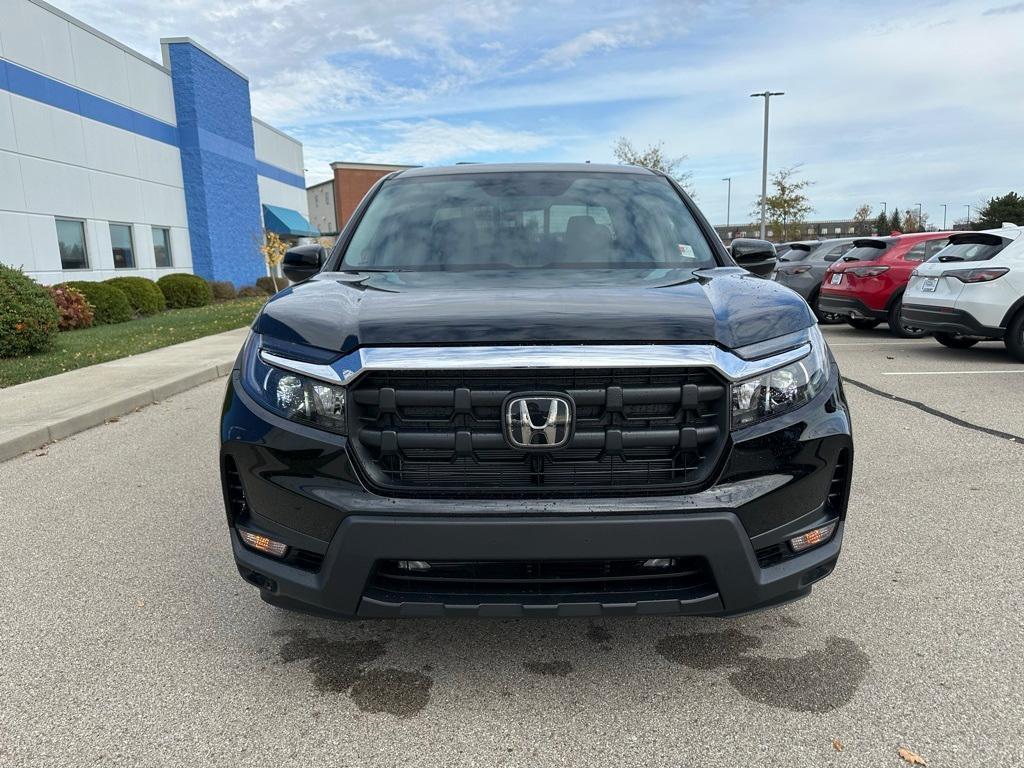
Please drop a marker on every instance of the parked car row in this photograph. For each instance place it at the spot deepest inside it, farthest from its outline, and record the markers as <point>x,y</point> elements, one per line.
<point>960,287</point>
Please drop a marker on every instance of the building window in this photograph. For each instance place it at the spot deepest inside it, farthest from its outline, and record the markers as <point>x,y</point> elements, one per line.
<point>71,241</point>
<point>121,245</point>
<point>839,230</point>
<point>162,246</point>
<point>810,230</point>
<point>852,230</point>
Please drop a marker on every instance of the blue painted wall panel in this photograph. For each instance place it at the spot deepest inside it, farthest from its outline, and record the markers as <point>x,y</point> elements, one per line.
<point>218,163</point>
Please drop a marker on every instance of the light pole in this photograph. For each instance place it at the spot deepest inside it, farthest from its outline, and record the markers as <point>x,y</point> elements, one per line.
<point>767,96</point>
<point>728,199</point>
<point>920,224</point>
<point>968,206</point>
<point>943,217</point>
<point>883,207</point>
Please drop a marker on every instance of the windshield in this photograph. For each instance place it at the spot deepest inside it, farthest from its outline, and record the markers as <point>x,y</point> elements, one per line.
<point>976,251</point>
<point>527,220</point>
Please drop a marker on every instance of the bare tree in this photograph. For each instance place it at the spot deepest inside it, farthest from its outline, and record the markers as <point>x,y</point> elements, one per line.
<point>654,157</point>
<point>862,220</point>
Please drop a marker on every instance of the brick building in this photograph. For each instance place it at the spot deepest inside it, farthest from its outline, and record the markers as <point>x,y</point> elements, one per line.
<point>332,202</point>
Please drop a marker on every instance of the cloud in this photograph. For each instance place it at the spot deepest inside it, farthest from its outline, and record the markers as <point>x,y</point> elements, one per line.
<point>1004,9</point>
<point>420,142</point>
<point>879,110</point>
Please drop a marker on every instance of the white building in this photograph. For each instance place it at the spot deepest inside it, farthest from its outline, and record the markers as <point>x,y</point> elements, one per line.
<point>113,164</point>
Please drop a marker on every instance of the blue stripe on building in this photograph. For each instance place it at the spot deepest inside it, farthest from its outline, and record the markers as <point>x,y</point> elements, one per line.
<point>46,90</point>
<point>32,85</point>
<point>279,174</point>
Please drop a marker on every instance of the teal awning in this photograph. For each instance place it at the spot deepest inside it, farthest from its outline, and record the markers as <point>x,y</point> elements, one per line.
<point>285,221</point>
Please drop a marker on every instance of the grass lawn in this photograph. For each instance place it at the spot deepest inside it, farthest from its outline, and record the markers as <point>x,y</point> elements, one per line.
<point>77,349</point>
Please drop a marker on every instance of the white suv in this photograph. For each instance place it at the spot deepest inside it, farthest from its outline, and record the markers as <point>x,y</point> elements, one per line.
<point>973,289</point>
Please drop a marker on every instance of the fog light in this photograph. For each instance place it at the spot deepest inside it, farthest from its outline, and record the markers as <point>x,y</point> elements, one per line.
<point>813,537</point>
<point>413,565</point>
<point>660,562</point>
<point>263,544</point>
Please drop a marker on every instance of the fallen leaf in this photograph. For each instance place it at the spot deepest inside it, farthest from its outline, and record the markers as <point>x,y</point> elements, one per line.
<point>912,757</point>
<point>837,745</point>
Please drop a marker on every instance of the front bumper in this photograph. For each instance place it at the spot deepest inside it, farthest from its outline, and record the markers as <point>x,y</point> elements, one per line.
<point>938,319</point>
<point>848,307</point>
<point>775,480</point>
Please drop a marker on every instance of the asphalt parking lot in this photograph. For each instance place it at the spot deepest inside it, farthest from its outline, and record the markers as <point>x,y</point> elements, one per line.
<point>127,638</point>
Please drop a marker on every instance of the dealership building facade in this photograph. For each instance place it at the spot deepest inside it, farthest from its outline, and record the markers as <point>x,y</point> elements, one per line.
<point>113,164</point>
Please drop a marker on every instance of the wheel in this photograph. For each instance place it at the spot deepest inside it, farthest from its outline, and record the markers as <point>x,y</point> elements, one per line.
<point>956,340</point>
<point>898,328</point>
<point>824,318</point>
<point>1014,338</point>
<point>862,323</point>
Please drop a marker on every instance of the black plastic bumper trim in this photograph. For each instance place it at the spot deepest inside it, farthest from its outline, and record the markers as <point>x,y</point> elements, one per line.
<point>948,320</point>
<point>719,537</point>
<point>841,305</point>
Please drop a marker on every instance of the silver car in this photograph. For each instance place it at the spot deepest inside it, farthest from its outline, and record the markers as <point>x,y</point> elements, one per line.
<point>802,268</point>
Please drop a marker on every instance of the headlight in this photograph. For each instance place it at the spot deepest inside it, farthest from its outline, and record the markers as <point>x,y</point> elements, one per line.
<point>292,395</point>
<point>784,389</point>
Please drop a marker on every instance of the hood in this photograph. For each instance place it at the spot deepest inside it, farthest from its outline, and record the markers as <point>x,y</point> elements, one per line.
<point>339,311</point>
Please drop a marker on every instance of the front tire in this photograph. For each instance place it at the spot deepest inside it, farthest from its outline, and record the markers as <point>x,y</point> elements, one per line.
<point>956,340</point>
<point>862,323</point>
<point>898,328</point>
<point>1014,338</point>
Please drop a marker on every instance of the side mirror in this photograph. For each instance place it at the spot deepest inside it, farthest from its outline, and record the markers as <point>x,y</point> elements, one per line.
<point>303,261</point>
<point>756,256</point>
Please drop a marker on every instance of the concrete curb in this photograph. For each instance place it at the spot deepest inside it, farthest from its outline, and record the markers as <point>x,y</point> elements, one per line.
<point>137,381</point>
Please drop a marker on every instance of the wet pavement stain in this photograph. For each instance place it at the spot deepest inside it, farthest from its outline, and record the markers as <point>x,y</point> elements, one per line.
<point>394,691</point>
<point>708,650</point>
<point>341,665</point>
<point>789,621</point>
<point>599,635</point>
<point>335,664</point>
<point>554,668</point>
<point>816,681</point>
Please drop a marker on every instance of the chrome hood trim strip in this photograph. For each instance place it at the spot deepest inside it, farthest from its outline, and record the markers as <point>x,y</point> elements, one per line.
<point>347,368</point>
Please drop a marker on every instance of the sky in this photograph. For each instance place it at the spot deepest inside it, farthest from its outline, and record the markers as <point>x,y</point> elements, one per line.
<point>902,102</point>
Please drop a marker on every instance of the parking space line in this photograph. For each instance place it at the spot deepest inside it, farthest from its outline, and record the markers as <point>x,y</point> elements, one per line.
<point>875,344</point>
<point>949,373</point>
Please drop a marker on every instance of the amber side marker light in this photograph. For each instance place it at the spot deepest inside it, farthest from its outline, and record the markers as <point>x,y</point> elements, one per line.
<point>813,537</point>
<point>263,544</point>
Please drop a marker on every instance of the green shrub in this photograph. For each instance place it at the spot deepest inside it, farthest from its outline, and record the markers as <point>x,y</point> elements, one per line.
<point>143,295</point>
<point>109,304</point>
<point>267,284</point>
<point>223,289</point>
<point>28,316</point>
<point>251,291</point>
<point>183,290</point>
<point>74,309</point>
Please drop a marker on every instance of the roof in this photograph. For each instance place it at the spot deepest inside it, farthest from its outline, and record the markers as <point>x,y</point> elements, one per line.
<point>471,168</point>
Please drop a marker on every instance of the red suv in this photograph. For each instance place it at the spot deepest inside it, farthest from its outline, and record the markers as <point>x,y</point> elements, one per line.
<point>866,285</point>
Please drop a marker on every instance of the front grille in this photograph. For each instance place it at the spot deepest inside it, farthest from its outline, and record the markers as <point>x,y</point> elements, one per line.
<point>472,582</point>
<point>440,432</point>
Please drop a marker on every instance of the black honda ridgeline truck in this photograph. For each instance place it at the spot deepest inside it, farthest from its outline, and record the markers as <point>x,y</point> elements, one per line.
<point>516,390</point>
